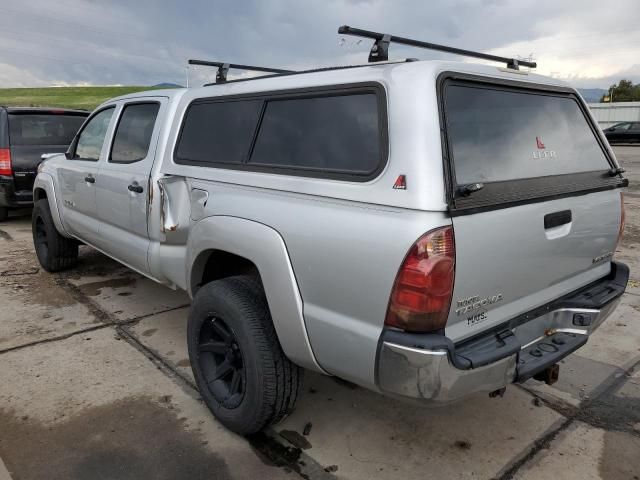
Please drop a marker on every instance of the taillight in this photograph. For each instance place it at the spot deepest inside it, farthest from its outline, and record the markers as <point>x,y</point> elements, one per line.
<point>421,295</point>
<point>622,220</point>
<point>5,162</point>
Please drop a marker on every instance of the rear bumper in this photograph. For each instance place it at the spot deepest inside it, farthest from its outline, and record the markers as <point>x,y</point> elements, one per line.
<point>430,368</point>
<point>11,198</point>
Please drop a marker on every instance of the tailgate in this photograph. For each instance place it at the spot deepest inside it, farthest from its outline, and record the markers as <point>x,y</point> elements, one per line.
<point>536,210</point>
<point>25,160</point>
<point>33,133</point>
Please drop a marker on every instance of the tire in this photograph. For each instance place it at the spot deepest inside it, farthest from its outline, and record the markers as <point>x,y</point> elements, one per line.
<point>263,385</point>
<point>54,252</point>
<point>4,214</point>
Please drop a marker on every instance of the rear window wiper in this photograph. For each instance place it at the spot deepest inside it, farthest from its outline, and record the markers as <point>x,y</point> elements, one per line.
<point>466,190</point>
<point>616,171</point>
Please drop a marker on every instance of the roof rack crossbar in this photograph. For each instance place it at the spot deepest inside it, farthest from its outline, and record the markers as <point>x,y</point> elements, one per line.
<point>223,68</point>
<point>380,50</point>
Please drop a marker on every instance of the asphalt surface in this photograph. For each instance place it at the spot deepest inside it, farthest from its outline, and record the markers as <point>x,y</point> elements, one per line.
<point>95,383</point>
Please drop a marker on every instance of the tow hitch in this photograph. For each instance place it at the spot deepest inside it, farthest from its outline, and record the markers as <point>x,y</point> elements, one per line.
<point>549,375</point>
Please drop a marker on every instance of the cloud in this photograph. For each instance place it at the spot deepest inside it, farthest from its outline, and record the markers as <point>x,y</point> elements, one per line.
<point>147,41</point>
<point>16,77</point>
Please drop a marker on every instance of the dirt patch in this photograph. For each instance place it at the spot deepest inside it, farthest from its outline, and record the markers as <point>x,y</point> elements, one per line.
<point>149,332</point>
<point>10,272</point>
<point>92,263</point>
<point>20,274</point>
<point>5,235</point>
<point>40,288</point>
<point>462,444</point>
<point>128,439</point>
<point>18,260</point>
<point>620,457</point>
<point>612,411</point>
<point>295,439</point>
<point>631,235</point>
<point>94,289</point>
<point>274,453</point>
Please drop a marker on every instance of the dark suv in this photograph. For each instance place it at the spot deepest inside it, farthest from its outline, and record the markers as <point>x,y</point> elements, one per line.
<point>627,132</point>
<point>25,135</point>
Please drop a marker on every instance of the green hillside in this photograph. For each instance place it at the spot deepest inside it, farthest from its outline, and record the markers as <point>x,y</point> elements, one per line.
<point>65,97</point>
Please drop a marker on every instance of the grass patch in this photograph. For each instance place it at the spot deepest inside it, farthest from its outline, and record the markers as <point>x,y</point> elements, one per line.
<point>86,98</point>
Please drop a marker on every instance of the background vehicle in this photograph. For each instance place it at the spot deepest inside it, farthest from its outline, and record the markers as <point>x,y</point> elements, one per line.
<point>626,132</point>
<point>25,135</point>
<point>422,229</point>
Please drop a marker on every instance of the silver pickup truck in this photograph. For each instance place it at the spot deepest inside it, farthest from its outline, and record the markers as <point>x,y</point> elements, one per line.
<point>425,229</point>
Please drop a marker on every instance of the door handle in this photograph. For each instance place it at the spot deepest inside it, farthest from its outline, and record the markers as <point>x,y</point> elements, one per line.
<point>89,179</point>
<point>556,219</point>
<point>134,187</point>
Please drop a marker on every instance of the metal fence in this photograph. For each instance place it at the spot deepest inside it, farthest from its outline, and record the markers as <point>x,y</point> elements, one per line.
<point>608,114</point>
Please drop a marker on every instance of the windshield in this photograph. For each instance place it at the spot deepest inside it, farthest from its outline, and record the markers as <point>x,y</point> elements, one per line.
<point>498,135</point>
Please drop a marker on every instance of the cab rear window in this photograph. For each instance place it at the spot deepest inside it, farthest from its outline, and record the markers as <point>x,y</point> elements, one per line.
<point>498,135</point>
<point>337,133</point>
<point>218,132</point>
<point>331,133</point>
<point>43,129</point>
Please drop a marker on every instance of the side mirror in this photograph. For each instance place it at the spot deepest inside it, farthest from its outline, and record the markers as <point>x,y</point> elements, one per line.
<point>612,129</point>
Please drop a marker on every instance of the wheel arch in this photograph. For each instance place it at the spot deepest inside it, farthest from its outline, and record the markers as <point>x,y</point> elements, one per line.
<point>221,246</point>
<point>215,264</point>
<point>44,189</point>
<point>39,193</point>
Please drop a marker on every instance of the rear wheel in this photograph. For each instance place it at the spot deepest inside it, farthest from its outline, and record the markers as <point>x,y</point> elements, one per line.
<point>242,374</point>
<point>54,251</point>
<point>4,213</point>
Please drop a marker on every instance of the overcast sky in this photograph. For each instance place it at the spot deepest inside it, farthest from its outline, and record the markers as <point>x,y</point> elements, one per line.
<point>590,43</point>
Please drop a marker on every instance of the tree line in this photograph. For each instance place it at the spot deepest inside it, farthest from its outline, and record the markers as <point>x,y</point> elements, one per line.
<point>623,91</point>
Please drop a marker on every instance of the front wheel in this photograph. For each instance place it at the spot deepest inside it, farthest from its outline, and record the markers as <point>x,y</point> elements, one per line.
<point>4,213</point>
<point>240,369</point>
<point>54,251</point>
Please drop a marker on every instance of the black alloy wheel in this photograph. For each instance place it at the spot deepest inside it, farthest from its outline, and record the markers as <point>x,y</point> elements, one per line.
<point>54,252</point>
<point>221,362</point>
<point>40,240</point>
<point>243,375</point>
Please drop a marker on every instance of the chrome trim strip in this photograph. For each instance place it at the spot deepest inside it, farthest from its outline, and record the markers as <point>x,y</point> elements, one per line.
<point>395,346</point>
